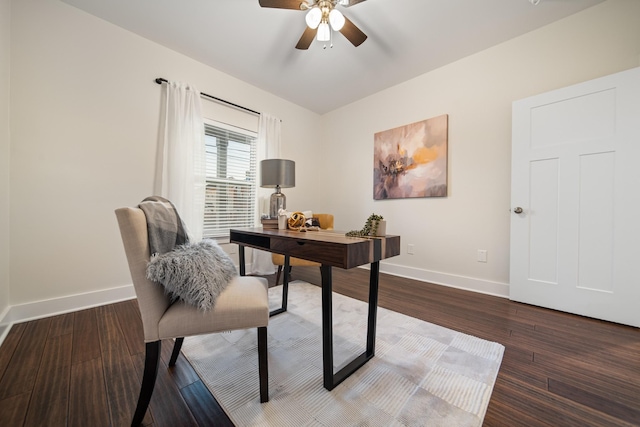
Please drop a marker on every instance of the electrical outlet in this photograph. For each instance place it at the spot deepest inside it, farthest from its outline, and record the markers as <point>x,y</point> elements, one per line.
<point>482,255</point>
<point>410,249</point>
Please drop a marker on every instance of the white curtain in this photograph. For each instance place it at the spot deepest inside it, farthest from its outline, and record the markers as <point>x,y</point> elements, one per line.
<point>180,164</point>
<point>268,148</point>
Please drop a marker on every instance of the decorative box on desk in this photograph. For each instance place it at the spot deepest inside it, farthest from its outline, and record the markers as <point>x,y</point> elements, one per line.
<point>269,223</point>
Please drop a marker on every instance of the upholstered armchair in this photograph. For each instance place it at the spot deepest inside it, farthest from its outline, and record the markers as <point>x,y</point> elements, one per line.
<point>242,304</point>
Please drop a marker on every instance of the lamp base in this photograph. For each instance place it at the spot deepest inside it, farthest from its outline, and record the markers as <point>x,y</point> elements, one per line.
<point>278,201</point>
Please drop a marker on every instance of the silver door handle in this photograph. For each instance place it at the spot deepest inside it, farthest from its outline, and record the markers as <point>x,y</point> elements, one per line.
<point>518,210</point>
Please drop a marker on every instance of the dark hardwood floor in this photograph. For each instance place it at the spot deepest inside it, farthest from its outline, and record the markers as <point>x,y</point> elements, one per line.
<point>84,368</point>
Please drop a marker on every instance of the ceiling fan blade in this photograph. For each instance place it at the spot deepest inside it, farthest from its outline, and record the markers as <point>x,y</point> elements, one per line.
<point>352,2</point>
<point>353,33</point>
<point>282,4</point>
<point>306,39</point>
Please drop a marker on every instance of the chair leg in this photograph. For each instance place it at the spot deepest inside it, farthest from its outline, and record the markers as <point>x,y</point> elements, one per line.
<point>278,274</point>
<point>263,365</point>
<point>176,351</point>
<point>151,361</point>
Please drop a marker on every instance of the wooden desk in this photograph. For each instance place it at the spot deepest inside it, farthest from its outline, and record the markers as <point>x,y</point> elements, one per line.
<point>330,249</point>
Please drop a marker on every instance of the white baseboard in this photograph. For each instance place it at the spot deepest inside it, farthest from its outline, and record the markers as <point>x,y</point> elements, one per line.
<point>52,307</point>
<point>451,280</point>
<point>39,309</point>
<point>4,326</point>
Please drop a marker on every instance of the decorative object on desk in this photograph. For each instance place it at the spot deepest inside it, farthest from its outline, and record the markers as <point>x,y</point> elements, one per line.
<point>312,222</point>
<point>374,226</point>
<point>282,221</point>
<point>296,221</point>
<point>269,223</point>
<point>277,173</point>
<point>411,160</point>
<point>422,374</point>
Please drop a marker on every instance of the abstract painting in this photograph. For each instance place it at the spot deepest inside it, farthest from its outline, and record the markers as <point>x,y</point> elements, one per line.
<point>411,160</point>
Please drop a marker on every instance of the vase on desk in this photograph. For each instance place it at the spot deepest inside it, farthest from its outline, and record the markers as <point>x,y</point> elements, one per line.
<point>381,229</point>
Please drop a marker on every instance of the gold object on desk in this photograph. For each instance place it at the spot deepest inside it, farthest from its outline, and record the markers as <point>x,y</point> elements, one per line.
<point>296,221</point>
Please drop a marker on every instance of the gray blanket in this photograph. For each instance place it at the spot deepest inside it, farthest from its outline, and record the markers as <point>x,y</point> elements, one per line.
<point>164,225</point>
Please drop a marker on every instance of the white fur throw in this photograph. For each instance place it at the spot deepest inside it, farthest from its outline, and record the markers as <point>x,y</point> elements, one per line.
<point>196,273</point>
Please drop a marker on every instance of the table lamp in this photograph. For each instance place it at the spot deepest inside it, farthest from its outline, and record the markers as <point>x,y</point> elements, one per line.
<point>277,173</point>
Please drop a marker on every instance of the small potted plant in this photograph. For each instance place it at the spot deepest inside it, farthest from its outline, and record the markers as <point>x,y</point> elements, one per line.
<point>374,226</point>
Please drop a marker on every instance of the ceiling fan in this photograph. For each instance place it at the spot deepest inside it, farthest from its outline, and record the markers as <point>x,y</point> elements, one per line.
<point>322,17</point>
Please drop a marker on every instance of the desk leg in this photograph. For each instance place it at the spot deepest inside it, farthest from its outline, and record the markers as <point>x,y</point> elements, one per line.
<point>331,380</point>
<point>285,288</point>
<point>327,327</point>
<point>374,276</point>
<point>241,260</point>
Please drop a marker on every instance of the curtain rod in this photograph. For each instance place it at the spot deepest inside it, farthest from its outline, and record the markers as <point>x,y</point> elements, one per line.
<point>160,80</point>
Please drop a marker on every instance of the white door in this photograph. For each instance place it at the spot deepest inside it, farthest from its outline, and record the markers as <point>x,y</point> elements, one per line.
<point>575,245</point>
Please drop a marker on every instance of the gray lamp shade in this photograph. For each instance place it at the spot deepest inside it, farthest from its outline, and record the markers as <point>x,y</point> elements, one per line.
<point>277,173</point>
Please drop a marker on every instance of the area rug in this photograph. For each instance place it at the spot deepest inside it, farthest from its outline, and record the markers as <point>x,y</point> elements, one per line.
<point>422,374</point>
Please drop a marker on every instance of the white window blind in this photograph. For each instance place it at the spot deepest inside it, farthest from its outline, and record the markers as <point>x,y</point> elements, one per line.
<point>231,179</point>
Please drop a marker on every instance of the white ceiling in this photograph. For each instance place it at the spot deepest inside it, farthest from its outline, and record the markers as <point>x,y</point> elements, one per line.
<point>406,38</point>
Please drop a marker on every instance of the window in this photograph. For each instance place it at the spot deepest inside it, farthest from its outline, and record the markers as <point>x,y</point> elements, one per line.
<point>231,179</point>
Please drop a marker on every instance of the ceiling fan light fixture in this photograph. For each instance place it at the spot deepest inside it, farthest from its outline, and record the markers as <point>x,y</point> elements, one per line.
<point>313,18</point>
<point>336,19</point>
<point>322,19</point>
<point>324,32</point>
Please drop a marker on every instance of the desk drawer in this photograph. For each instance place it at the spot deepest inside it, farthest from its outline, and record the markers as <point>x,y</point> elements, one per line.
<point>322,252</point>
<point>251,240</point>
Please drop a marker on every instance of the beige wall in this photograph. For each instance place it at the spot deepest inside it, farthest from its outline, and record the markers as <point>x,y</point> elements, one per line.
<point>83,135</point>
<point>5,49</point>
<point>476,92</point>
<point>84,117</point>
